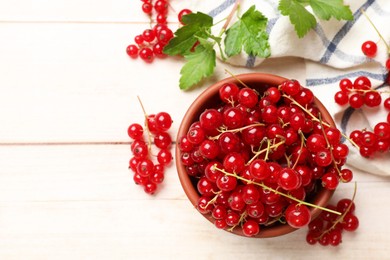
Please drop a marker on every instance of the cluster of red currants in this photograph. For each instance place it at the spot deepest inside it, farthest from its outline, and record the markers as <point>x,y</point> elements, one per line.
<point>372,142</point>
<point>151,42</point>
<point>327,228</point>
<point>360,93</point>
<point>146,172</point>
<point>255,157</point>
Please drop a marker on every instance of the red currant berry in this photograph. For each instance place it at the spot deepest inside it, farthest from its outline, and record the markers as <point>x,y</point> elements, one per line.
<point>297,216</point>
<point>345,85</point>
<point>157,177</point>
<point>250,228</point>
<point>330,181</point>
<point>182,13</point>
<point>135,131</point>
<point>233,118</point>
<point>219,212</point>
<point>147,8</point>
<point>248,97</point>
<point>132,51</point>
<point>388,64</point>
<point>145,167</point>
<point>315,142</point>
<point>234,162</point>
<point>162,140</point>
<point>164,35</point>
<point>229,142</point>
<point>382,130</point>
<point>236,201</point>
<point>209,149</point>
<point>164,157</point>
<point>206,187</point>
<point>372,99</point>
<point>335,237</point>
<point>341,98</point>
<point>158,50</point>
<point>161,6</point>
<point>146,54</point>
<point>139,39</point>
<point>345,204</point>
<point>140,151</point>
<point>369,48</point>
<point>226,182</point>
<point>386,104</point>
<point>211,119</point>
<point>356,101</point>
<point>289,179</point>
<point>161,18</point>
<point>255,210</point>
<point>291,87</point>
<point>228,93</point>
<point>148,35</point>
<point>346,175</point>
<point>203,205</point>
<point>163,121</point>
<point>362,83</point>
<point>196,135</point>
<point>250,194</point>
<point>350,222</point>
<point>150,188</point>
<point>323,157</point>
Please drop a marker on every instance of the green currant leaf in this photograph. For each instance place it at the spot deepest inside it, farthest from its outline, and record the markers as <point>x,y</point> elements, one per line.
<point>200,64</point>
<point>325,9</point>
<point>301,18</point>
<point>248,33</point>
<point>196,25</point>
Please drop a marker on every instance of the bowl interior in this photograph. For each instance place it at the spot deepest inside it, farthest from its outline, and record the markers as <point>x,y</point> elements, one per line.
<point>210,98</point>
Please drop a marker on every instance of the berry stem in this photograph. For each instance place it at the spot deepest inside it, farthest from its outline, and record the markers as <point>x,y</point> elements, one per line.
<point>146,125</point>
<point>275,191</point>
<point>302,143</point>
<point>234,76</point>
<point>265,150</point>
<point>230,16</point>
<point>376,29</point>
<point>236,130</point>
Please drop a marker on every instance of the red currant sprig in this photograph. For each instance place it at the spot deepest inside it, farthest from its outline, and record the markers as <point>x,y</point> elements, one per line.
<point>327,228</point>
<point>147,173</point>
<point>150,43</point>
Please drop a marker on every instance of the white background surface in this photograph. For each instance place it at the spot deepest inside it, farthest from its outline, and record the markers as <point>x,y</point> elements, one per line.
<point>67,94</point>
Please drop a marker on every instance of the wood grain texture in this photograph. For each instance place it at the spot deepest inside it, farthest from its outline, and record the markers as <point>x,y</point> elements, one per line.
<point>67,94</point>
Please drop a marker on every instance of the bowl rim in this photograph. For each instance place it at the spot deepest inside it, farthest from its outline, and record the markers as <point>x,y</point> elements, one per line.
<point>322,198</point>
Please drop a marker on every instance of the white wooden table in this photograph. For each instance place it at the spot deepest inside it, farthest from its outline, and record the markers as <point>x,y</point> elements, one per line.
<point>68,91</point>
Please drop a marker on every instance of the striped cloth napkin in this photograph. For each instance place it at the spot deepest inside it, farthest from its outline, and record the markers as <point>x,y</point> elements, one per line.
<point>331,51</point>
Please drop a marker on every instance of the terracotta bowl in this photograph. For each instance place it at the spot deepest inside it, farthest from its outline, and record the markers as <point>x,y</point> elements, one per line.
<point>208,99</point>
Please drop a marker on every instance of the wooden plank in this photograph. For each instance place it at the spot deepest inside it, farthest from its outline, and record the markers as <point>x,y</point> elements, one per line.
<point>88,11</point>
<point>74,82</point>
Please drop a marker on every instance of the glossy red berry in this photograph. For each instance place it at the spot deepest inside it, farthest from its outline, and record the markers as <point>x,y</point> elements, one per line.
<point>297,216</point>
<point>132,50</point>
<point>163,121</point>
<point>135,131</point>
<point>182,13</point>
<point>341,98</point>
<point>250,228</point>
<point>369,48</point>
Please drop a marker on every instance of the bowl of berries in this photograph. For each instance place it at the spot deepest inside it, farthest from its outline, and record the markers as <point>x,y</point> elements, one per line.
<point>259,155</point>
